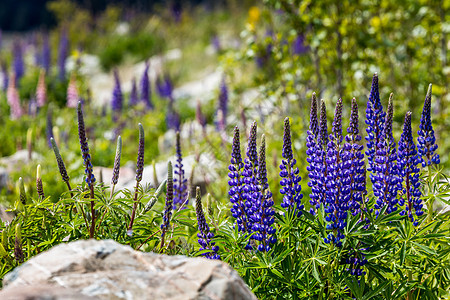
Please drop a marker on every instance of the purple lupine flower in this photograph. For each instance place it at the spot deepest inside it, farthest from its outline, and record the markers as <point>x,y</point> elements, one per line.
<point>236,183</point>
<point>18,63</point>
<point>298,45</point>
<point>41,90</point>
<point>140,157</point>
<point>164,87</point>
<point>72,93</point>
<point>356,259</point>
<point>46,53</point>
<point>223,104</point>
<point>426,142</point>
<point>169,203</point>
<point>117,99</point>
<point>133,94</point>
<point>311,144</point>
<point>37,53</point>
<point>263,218</point>
<point>205,236</point>
<point>90,178</point>
<point>5,75</point>
<point>49,127</point>
<point>145,88</point>
<point>338,181</point>
<point>63,50</point>
<point>290,182</point>
<point>180,181</point>
<point>215,42</point>
<point>201,119</point>
<point>387,182</point>
<point>60,162</point>
<point>354,161</point>
<point>13,99</point>
<point>408,159</point>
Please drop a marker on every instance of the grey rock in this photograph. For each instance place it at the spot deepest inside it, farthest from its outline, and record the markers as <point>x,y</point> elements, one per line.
<point>91,269</point>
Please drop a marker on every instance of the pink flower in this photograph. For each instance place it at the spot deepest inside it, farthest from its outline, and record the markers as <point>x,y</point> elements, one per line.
<point>41,90</point>
<point>72,93</point>
<point>12,96</point>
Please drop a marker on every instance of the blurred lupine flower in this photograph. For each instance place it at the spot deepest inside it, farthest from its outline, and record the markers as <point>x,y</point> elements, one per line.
<point>298,45</point>
<point>134,93</point>
<point>5,75</point>
<point>408,159</point>
<point>164,87</point>
<point>169,203</point>
<point>311,144</point>
<point>172,118</point>
<point>290,182</point>
<point>239,211</point>
<point>72,93</point>
<point>49,126</point>
<point>263,217</point>
<point>140,158</point>
<point>338,181</point>
<point>32,107</point>
<point>12,96</point>
<point>223,103</point>
<point>116,169</point>
<point>353,158</point>
<point>201,119</point>
<point>37,54</point>
<point>205,236</point>
<point>60,162</point>
<point>18,63</point>
<point>22,193</point>
<point>176,11</point>
<point>387,181</point>
<point>221,124</point>
<point>215,41</point>
<point>46,54</point>
<point>426,142</point>
<point>90,178</point>
<point>39,187</point>
<point>41,90</point>
<point>145,88</point>
<point>117,99</point>
<point>18,251</point>
<point>63,50</point>
<point>180,180</point>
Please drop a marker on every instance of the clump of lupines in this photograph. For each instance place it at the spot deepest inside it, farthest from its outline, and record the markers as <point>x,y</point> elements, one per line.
<point>12,96</point>
<point>290,182</point>
<point>338,181</point>
<point>311,144</point>
<point>19,66</point>
<point>408,159</point>
<point>117,99</point>
<point>180,180</point>
<point>354,161</point>
<point>205,235</point>
<point>263,217</point>
<point>426,142</point>
<point>90,178</point>
<point>63,50</point>
<point>72,93</point>
<point>386,183</point>
<point>169,203</point>
<point>236,183</point>
<point>41,90</point>
<point>133,94</point>
<point>145,88</point>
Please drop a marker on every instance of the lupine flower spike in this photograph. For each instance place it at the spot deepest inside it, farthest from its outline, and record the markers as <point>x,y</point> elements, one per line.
<point>46,53</point>
<point>41,90</point>
<point>19,66</point>
<point>72,92</point>
<point>133,94</point>
<point>39,187</point>
<point>426,142</point>
<point>223,104</point>
<point>320,167</point>
<point>408,159</point>
<point>205,236</point>
<point>311,144</point>
<point>180,180</point>
<point>145,88</point>
<point>22,193</point>
<point>90,178</point>
<point>117,99</point>
<point>263,218</point>
<point>18,251</point>
<point>63,50</point>
<point>61,165</point>
<point>290,182</point>
<point>169,203</point>
<point>139,171</point>
<point>12,96</point>
<point>116,169</point>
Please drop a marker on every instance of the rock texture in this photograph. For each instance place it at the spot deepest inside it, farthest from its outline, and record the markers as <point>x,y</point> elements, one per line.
<point>91,269</point>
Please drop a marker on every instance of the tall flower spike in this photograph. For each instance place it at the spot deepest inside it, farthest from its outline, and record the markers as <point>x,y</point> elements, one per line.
<point>140,158</point>
<point>39,186</point>
<point>22,193</point>
<point>263,218</point>
<point>116,169</point>
<point>41,90</point>
<point>12,96</point>
<point>223,101</point>
<point>354,161</point>
<point>90,178</point>
<point>72,92</point>
<point>19,66</point>
<point>338,181</point>
<point>205,236</point>
<point>60,162</point>
<point>290,178</point>
<point>46,53</point>
<point>426,142</point>
<point>236,183</point>
<point>180,180</point>
<point>63,50</point>
<point>133,94</point>
<point>408,160</point>
<point>169,203</point>
<point>311,145</point>
<point>145,88</point>
<point>117,99</point>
